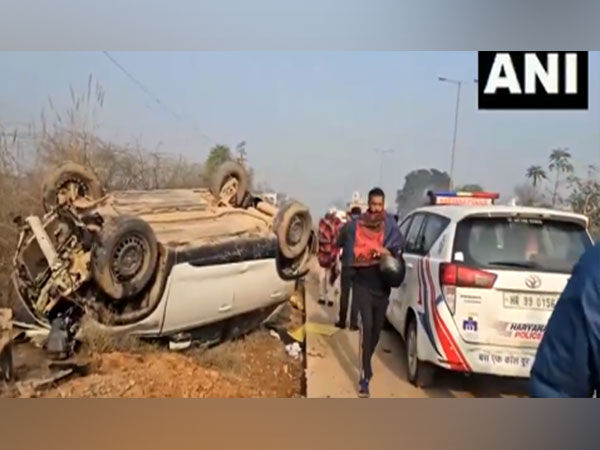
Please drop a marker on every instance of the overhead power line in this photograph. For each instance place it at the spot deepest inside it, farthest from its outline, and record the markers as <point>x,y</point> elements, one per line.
<point>139,84</point>
<point>154,97</point>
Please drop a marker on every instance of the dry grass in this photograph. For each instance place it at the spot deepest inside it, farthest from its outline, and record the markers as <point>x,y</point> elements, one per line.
<point>97,340</point>
<point>228,357</point>
<point>27,154</point>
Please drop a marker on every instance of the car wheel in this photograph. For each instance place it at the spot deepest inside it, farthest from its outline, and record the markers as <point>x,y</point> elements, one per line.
<point>125,257</point>
<point>419,373</point>
<point>230,183</point>
<point>69,182</point>
<point>293,227</point>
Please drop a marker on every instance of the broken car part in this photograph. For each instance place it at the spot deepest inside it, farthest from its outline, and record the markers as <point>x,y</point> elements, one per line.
<point>6,357</point>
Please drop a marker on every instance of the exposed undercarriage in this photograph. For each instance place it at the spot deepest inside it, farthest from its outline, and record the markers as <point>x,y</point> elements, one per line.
<point>108,255</point>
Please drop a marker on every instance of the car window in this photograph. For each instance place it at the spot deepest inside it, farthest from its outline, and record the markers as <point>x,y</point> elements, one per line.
<point>413,234</point>
<point>520,243</point>
<point>434,227</point>
<point>404,226</point>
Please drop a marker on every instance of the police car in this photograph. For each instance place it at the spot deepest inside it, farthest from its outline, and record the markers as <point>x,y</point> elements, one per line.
<point>481,282</point>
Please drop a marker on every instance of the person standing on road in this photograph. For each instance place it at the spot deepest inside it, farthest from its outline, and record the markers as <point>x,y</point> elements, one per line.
<point>327,255</point>
<point>567,362</point>
<point>346,243</point>
<point>375,234</point>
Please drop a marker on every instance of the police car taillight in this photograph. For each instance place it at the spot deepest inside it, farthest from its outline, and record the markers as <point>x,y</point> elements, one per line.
<point>479,198</point>
<point>462,276</point>
<point>455,275</point>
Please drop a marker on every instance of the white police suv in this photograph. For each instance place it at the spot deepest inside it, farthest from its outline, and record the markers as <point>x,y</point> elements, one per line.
<point>481,282</point>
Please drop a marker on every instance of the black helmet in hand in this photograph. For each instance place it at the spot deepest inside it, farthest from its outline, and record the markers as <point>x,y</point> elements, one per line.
<point>392,270</point>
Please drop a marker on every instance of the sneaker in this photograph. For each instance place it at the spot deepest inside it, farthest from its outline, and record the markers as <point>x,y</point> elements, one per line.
<point>321,301</point>
<point>363,388</point>
<point>341,325</point>
<point>330,304</point>
<point>353,327</point>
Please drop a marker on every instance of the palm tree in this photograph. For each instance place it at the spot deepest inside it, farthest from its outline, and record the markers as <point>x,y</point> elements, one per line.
<point>560,162</point>
<point>536,174</point>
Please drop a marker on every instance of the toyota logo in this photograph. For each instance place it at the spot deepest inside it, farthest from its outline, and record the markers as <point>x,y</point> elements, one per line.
<point>533,282</point>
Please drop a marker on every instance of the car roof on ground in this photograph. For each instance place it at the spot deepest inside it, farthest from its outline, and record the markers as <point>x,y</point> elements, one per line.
<point>459,212</point>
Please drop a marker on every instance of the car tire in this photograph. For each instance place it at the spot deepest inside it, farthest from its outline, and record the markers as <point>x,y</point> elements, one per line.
<point>20,310</point>
<point>225,173</point>
<point>87,182</point>
<point>419,373</point>
<point>293,227</point>
<point>125,258</point>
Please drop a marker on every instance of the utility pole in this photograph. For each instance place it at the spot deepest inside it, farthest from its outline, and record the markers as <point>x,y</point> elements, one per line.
<point>382,154</point>
<point>458,84</point>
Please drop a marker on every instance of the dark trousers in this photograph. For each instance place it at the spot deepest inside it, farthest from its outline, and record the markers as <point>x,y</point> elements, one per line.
<point>347,280</point>
<point>372,307</point>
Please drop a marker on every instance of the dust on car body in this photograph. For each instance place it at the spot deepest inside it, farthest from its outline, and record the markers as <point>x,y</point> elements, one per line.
<point>157,262</point>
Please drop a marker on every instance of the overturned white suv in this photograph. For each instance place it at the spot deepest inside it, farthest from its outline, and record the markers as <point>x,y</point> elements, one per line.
<point>159,262</point>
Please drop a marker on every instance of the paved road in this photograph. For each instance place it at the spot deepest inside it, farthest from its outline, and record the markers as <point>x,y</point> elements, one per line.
<point>332,365</point>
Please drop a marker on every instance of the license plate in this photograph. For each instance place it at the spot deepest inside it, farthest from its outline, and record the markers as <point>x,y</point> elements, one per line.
<point>544,302</point>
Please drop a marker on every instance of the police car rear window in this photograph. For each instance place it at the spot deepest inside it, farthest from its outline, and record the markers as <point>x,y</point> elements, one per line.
<point>520,244</point>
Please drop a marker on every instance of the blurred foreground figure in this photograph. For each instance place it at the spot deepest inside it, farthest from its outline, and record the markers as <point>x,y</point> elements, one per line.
<point>568,359</point>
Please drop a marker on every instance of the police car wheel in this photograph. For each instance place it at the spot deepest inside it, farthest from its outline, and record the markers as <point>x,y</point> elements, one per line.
<point>419,373</point>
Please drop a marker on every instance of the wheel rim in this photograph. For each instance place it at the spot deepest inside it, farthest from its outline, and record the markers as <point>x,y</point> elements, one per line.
<point>411,351</point>
<point>71,190</point>
<point>129,257</point>
<point>229,190</point>
<point>295,231</point>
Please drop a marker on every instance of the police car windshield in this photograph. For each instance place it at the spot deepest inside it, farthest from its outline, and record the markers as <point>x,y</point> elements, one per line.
<point>520,244</point>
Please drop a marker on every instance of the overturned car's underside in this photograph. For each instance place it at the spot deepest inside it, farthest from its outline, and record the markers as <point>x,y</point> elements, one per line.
<point>109,255</point>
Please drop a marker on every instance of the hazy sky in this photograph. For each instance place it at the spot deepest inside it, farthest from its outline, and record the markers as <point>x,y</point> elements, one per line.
<point>311,120</point>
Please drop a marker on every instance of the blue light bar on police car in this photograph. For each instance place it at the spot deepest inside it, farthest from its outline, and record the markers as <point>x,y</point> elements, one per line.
<point>462,198</point>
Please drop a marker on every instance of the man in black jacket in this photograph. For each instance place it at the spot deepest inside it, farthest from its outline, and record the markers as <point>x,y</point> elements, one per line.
<point>347,275</point>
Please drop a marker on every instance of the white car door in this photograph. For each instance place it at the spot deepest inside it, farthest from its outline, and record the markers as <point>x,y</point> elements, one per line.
<point>208,294</point>
<point>408,291</point>
<point>257,285</point>
<point>199,296</point>
<point>393,312</point>
<point>412,257</point>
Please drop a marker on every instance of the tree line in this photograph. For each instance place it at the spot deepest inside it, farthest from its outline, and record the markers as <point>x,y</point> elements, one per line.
<point>557,185</point>
<point>553,185</point>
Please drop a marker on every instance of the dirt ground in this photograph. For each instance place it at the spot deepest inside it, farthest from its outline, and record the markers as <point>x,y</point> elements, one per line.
<point>254,366</point>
